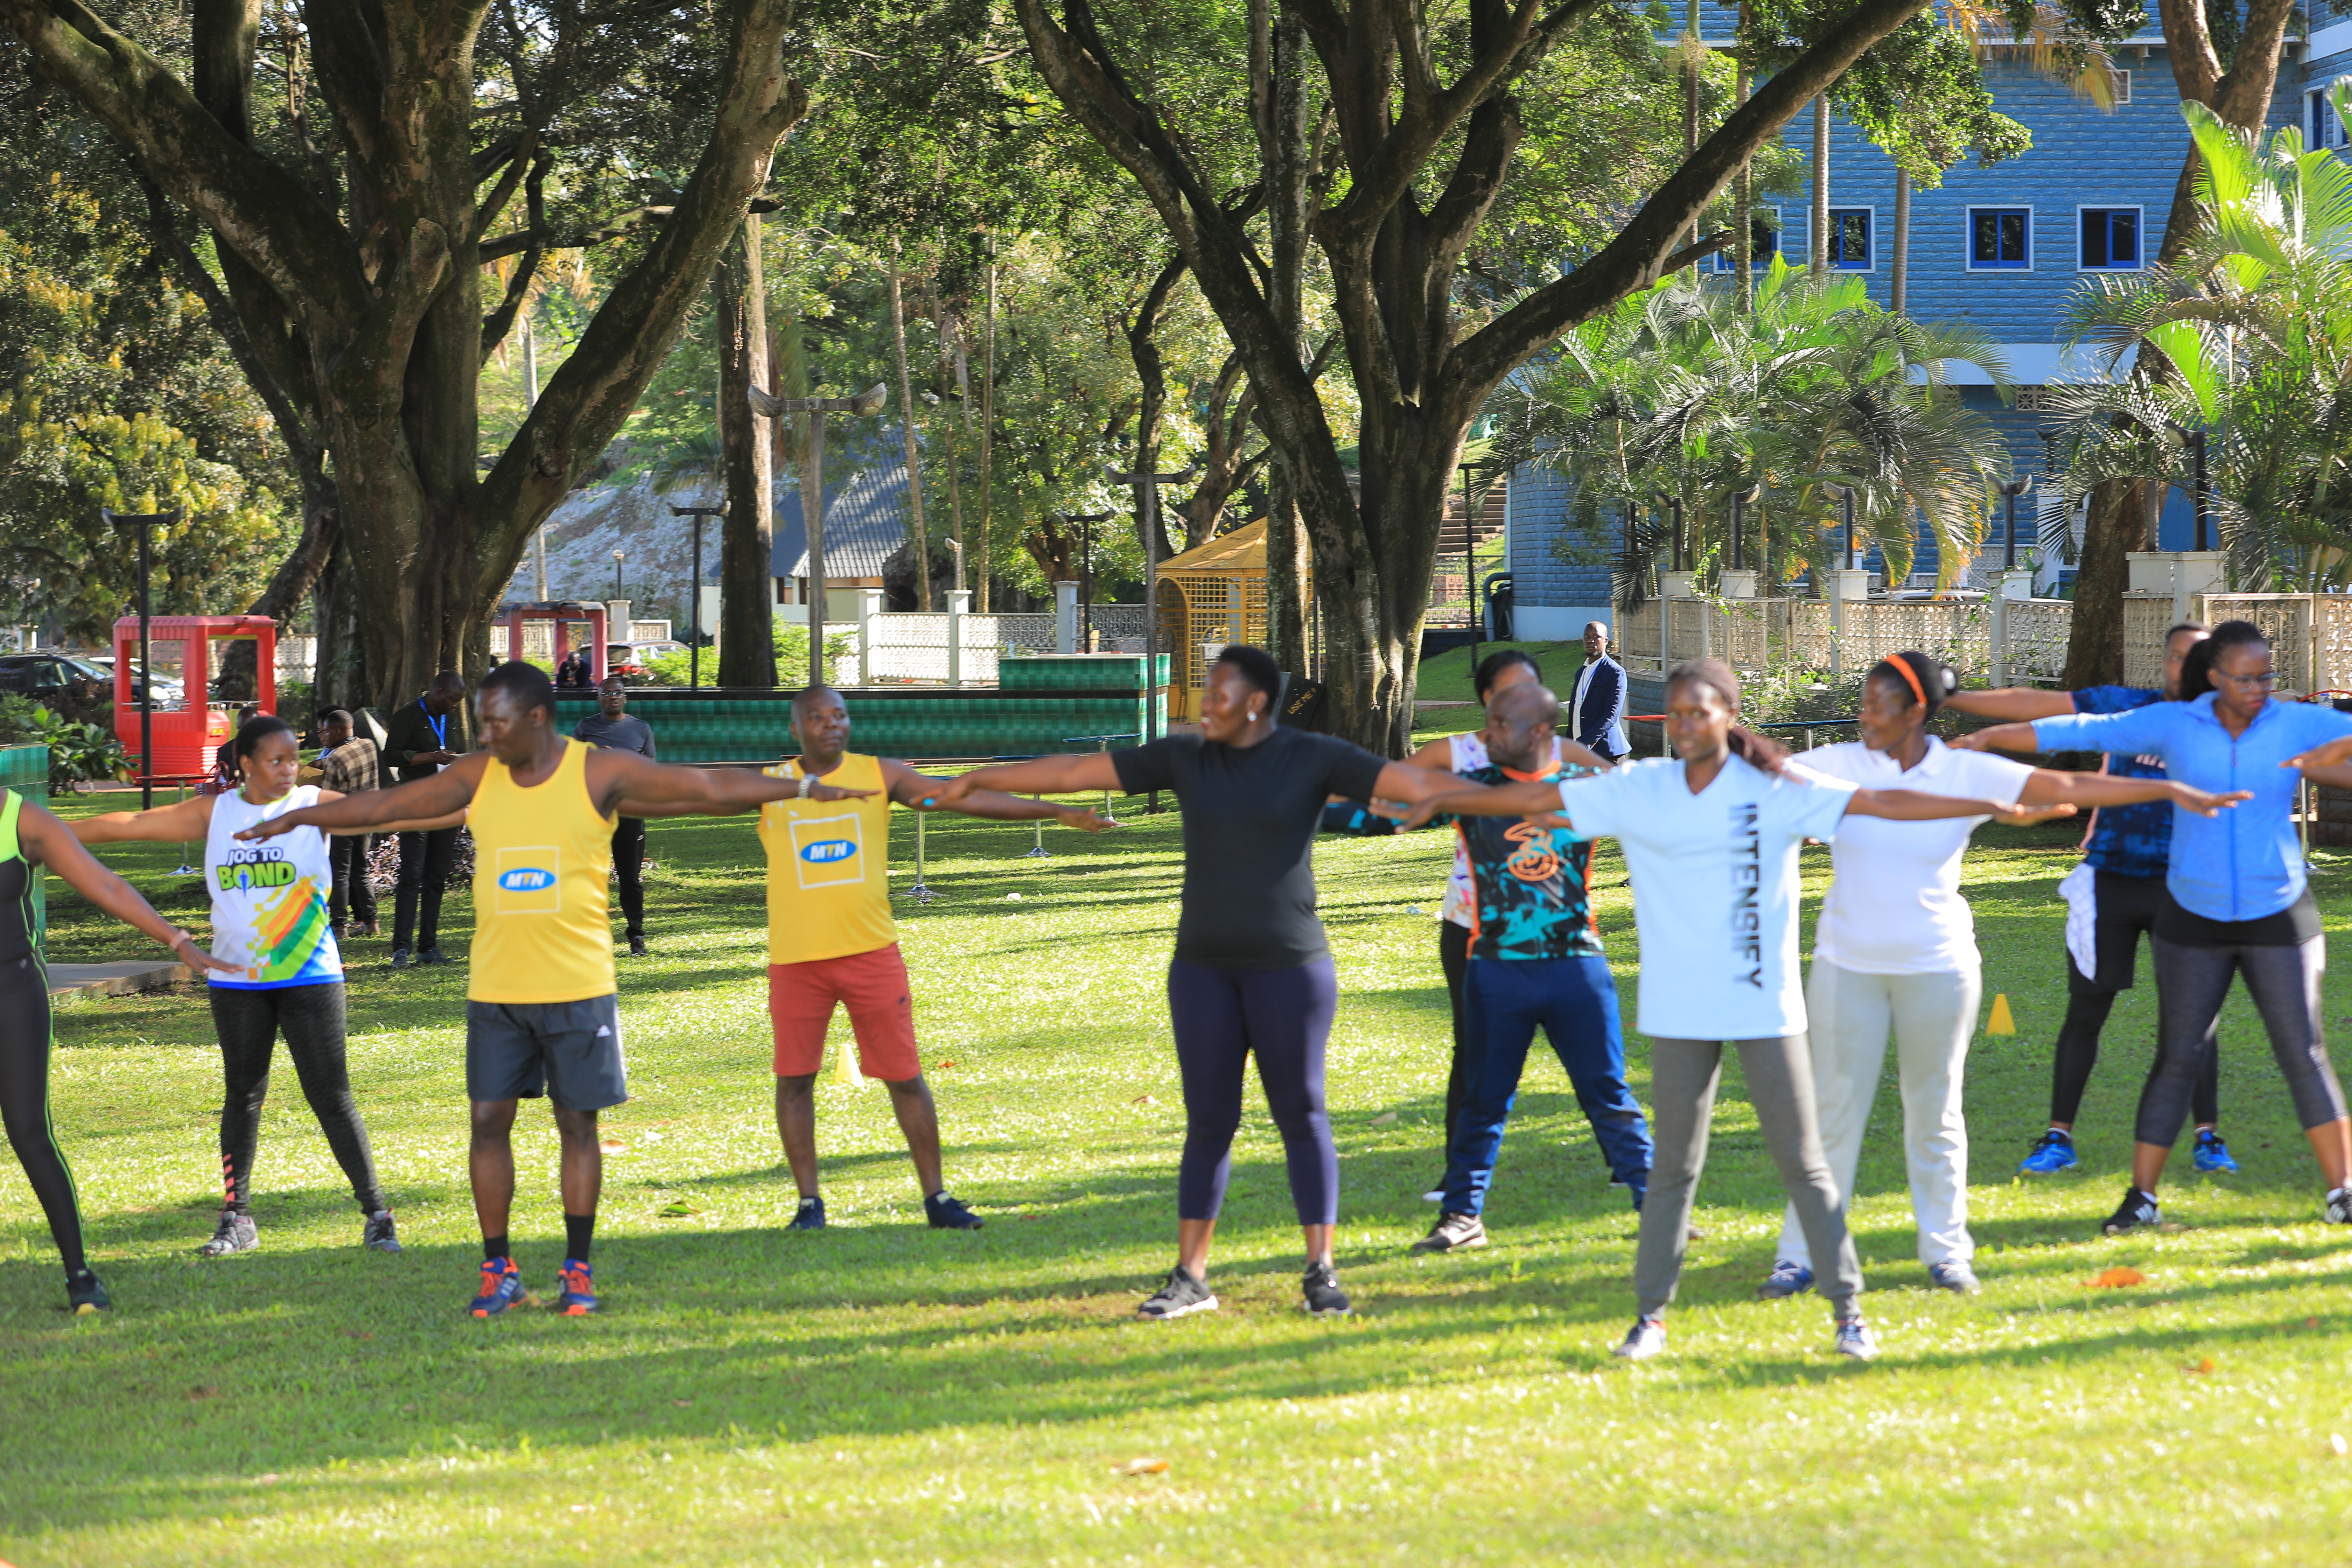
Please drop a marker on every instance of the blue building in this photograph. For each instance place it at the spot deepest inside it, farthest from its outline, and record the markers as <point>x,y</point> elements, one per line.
<point>2000,247</point>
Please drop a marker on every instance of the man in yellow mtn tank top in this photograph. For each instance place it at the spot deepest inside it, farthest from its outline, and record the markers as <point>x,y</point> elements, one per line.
<point>831,941</point>
<point>541,1013</point>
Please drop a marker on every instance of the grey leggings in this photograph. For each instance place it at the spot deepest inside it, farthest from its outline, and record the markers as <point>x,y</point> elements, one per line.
<point>2191,983</point>
<point>1683,1079</point>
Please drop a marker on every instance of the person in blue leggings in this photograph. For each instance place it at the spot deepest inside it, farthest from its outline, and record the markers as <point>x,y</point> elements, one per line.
<point>1536,959</point>
<point>1252,974</point>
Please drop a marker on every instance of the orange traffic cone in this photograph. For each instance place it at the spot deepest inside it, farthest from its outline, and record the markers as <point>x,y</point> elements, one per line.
<point>2000,1022</point>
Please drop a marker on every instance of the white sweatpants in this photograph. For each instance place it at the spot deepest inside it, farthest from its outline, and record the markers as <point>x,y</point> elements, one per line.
<point>1932,1018</point>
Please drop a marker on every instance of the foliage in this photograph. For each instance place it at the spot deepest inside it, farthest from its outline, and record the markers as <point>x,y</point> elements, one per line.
<point>79,752</point>
<point>675,667</point>
<point>2256,320</point>
<point>1677,390</point>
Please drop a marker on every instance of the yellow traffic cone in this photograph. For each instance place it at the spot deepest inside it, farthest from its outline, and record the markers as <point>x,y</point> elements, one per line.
<point>844,1067</point>
<point>2000,1022</point>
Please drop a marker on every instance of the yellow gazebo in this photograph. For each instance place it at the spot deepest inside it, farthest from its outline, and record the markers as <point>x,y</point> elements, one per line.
<point>1209,597</point>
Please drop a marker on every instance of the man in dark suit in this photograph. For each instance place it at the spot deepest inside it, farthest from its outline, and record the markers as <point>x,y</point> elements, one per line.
<point>1596,712</point>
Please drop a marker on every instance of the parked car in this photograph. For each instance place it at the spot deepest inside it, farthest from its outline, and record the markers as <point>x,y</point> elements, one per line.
<point>623,660</point>
<point>167,687</point>
<point>34,673</point>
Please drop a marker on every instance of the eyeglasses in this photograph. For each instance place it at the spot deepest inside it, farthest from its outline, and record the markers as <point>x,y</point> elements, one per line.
<point>2249,682</point>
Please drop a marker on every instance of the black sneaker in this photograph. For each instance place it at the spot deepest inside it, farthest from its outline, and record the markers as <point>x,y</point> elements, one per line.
<point>2137,1211</point>
<point>86,1295</point>
<point>636,947</point>
<point>1451,1233</point>
<point>379,1235</point>
<point>235,1232</point>
<point>1324,1297</point>
<point>1184,1294</point>
<point>433,955</point>
<point>2339,1206</point>
<point>946,1212</point>
<point>811,1217</point>
<point>400,958</point>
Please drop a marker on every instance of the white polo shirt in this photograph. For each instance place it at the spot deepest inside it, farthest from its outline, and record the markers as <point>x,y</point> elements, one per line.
<point>1894,906</point>
<point>1714,890</point>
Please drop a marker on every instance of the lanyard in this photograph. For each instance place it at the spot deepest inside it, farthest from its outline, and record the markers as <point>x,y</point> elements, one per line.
<point>440,725</point>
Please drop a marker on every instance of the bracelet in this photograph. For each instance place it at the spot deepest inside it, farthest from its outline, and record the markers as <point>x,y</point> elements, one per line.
<point>808,781</point>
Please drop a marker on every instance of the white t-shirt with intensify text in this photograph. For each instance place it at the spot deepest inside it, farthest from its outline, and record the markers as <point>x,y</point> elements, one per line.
<point>1895,904</point>
<point>1714,890</point>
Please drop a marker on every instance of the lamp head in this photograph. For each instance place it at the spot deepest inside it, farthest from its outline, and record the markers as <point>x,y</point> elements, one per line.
<point>870,401</point>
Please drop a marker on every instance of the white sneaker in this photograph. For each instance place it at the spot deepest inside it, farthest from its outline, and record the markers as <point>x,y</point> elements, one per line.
<point>1855,1339</point>
<point>1647,1338</point>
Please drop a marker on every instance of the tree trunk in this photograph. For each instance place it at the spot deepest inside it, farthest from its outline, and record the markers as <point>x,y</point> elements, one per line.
<point>1900,268</point>
<point>1284,156</point>
<point>1821,236</point>
<point>917,536</point>
<point>2094,646</point>
<point>813,524</point>
<point>951,372</point>
<point>1745,219</point>
<point>980,565</point>
<point>747,644</point>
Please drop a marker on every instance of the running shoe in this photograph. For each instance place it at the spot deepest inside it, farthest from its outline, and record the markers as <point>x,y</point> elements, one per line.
<point>1648,1337</point>
<point>1321,1288</point>
<point>579,1295</point>
<point>2212,1156</point>
<point>400,958</point>
<point>636,947</point>
<point>811,1215</point>
<point>2339,1206</point>
<point>1451,1233</point>
<point>2053,1151</point>
<point>1434,1195</point>
<point>433,955</point>
<point>380,1236</point>
<point>1185,1293</point>
<point>1955,1275</point>
<point>1786,1280</point>
<point>86,1295</point>
<point>1855,1339</point>
<point>502,1287</point>
<point>946,1212</point>
<point>236,1233</point>
<point>2137,1211</point>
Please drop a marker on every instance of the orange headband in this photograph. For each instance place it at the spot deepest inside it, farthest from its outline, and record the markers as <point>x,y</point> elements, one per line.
<point>1910,679</point>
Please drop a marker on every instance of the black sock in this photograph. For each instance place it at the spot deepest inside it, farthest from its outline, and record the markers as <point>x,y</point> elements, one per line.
<point>578,1229</point>
<point>493,1248</point>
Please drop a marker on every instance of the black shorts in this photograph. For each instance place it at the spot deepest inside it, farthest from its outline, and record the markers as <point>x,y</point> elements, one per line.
<point>569,1051</point>
<point>2128,909</point>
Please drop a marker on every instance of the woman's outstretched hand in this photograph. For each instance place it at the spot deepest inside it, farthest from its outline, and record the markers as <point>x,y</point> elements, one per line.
<point>2326,755</point>
<point>1413,813</point>
<point>824,792</point>
<point>1085,819</point>
<point>2205,803</point>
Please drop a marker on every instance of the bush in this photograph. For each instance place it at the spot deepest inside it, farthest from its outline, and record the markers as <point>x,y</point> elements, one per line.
<point>78,752</point>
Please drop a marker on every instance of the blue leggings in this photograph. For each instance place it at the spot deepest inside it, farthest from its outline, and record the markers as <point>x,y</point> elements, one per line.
<point>1575,1000</point>
<point>1283,1016</point>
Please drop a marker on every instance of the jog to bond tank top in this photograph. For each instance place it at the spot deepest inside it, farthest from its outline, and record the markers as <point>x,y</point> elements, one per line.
<point>828,867</point>
<point>269,898</point>
<point>542,915</point>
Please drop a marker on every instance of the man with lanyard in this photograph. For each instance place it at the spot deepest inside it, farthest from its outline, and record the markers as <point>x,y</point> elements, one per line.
<point>1535,958</point>
<point>349,764</point>
<point>541,1015</point>
<point>614,728</point>
<point>2112,902</point>
<point>416,746</point>
<point>1597,709</point>
<point>831,941</point>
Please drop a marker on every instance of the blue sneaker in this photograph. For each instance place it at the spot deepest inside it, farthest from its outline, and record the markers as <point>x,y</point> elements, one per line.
<point>1786,1280</point>
<point>811,1215</point>
<point>502,1287</point>
<point>2053,1153</point>
<point>579,1297</point>
<point>2212,1156</point>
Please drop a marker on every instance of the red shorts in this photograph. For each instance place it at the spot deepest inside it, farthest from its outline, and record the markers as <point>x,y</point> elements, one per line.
<point>872,985</point>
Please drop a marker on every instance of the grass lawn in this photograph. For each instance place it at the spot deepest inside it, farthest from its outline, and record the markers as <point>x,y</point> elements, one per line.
<point>882,1394</point>
<point>1446,676</point>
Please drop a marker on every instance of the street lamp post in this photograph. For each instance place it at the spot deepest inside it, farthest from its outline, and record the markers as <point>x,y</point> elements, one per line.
<point>1844,496</point>
<point>869,401</point>
<point>1674,505</point>
<point>2013,489</point>
<point>1739,500</point>
<point>694,640</point>
<point>618,556</point>
<point>146,523</point>
<point>1086,521</point>
<point>2198,497</point>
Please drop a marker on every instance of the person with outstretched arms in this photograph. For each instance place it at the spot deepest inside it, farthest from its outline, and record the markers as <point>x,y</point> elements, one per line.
<point>282,971</point>
<point>1252,974</point>
<point>1536,960</point>
<point>1464,754</point>
<point>2238,901</point>
<point>541,1015</point>
<point>1710,838</point>
<point>1896,954</point>
<point>32,840</point>
<point>2112,902</point>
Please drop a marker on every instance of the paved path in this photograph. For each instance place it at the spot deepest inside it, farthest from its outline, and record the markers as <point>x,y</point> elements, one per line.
<point>120,978</point>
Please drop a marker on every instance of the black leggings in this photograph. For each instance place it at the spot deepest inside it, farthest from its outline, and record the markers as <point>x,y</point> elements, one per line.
<point>2191,984</point>
<point>1282,1016</point>
<point>249,1022</point>
<point>26,1037</point>
<point>2078,1053</point>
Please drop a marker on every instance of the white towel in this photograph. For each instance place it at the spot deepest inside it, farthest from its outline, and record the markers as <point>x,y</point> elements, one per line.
<point>2080,888</point>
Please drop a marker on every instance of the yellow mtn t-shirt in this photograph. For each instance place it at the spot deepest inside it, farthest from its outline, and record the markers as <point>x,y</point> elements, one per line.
<point>828,867</point>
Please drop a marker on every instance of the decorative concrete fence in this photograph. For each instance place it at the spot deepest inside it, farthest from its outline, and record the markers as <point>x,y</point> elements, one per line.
<point>960,649</point>
<point>2011,641</point>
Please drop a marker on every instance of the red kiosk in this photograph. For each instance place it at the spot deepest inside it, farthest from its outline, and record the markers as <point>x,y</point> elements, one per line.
<point>189,731</point>
<point>561,616</point>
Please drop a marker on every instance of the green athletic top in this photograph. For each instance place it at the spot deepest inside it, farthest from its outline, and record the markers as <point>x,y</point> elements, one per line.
<point>16,884</point>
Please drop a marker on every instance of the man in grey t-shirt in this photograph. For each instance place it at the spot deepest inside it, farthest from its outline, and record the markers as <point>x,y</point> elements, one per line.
<point>612,728</point>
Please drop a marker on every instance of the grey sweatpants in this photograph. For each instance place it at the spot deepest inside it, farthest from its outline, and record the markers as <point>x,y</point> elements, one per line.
<point>1683,1079</point>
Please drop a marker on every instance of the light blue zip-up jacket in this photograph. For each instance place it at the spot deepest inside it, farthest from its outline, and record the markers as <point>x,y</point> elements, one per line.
<point>2245,862</point>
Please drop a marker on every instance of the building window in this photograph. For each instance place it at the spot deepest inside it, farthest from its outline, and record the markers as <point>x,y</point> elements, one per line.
<point>1763,240</point>
<point>2110,239</point>
<point>2001,239</point>
<point>2321,125</point>
<point>2122,83</point>
<point>1850,238</point>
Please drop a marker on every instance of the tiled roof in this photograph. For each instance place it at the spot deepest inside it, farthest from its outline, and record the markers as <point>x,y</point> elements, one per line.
<point>865,523</point>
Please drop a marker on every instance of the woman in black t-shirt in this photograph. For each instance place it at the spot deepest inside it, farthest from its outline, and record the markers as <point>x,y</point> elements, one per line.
<point>1252,974</point>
